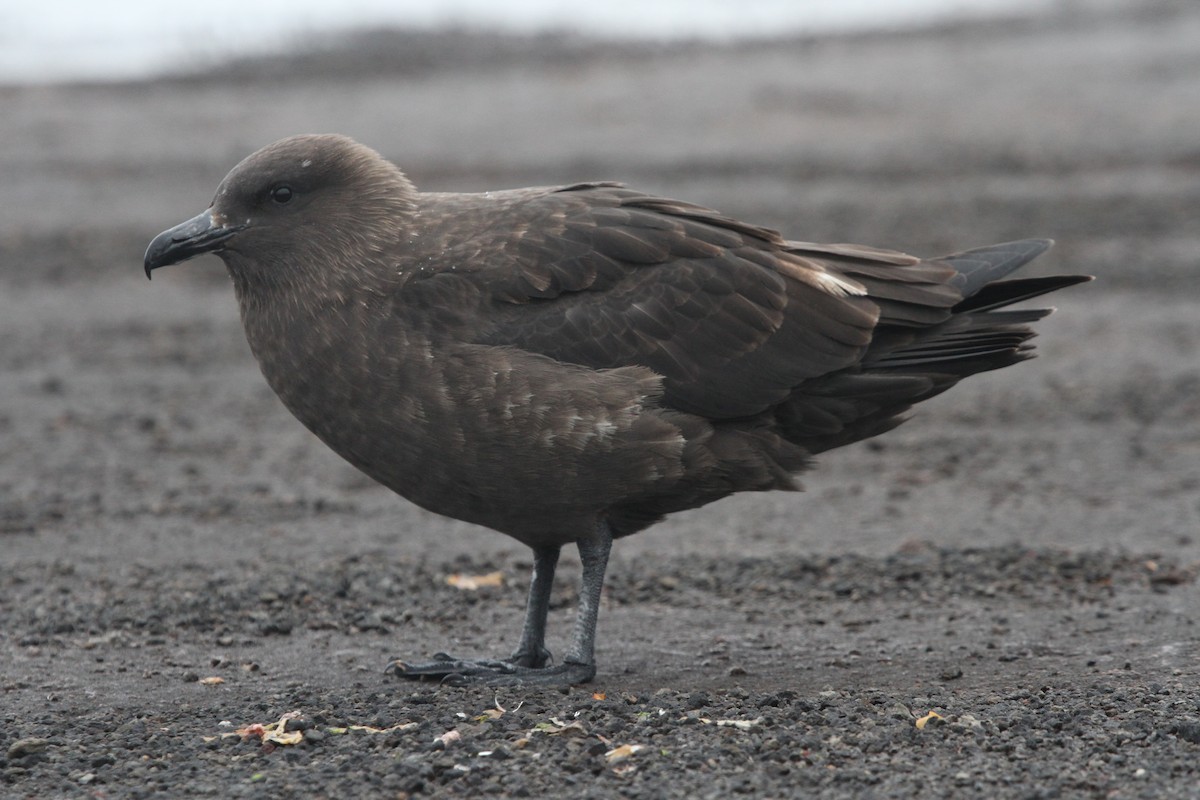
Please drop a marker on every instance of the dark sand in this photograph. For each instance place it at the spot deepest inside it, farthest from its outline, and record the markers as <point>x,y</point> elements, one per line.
<point>1020,557</point>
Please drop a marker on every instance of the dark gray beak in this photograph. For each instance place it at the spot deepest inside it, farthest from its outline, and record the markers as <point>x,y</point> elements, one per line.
<point>200,234</point>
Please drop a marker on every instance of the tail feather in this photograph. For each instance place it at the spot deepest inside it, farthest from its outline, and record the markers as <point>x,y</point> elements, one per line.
<point>976,331</point>
<point>1003,293</point>
<point>983,265</point>
<point>907,362</point>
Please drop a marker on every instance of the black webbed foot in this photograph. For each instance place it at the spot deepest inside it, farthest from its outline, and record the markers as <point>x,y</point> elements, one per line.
<point>466,672</point>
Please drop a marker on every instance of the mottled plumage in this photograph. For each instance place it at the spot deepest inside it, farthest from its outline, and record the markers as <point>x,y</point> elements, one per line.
<point>570,364</point>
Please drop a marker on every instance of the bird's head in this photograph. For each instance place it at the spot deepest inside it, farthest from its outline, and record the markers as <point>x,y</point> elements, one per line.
<point>304,203</point>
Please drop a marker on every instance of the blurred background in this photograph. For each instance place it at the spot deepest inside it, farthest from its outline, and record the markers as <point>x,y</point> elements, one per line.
<point>75,39</point>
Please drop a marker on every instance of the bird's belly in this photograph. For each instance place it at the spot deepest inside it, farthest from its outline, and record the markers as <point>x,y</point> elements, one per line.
<point>533,449</point>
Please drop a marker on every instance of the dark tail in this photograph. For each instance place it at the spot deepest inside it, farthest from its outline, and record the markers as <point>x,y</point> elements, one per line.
<point>977,337</point>
<point>906,364</point>
<point>980,271</point>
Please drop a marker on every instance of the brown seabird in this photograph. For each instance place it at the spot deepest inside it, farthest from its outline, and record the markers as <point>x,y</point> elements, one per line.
<point>571,364</point>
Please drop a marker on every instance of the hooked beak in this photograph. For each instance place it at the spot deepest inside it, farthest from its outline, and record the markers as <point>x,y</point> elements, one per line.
<point>200,234</point>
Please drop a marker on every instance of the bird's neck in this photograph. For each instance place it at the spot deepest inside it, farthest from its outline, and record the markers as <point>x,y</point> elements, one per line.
<point>285,291</point>
<point>316,354</point>
<point>290,319</point>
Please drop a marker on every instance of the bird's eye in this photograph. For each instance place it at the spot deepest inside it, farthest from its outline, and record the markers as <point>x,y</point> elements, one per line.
<point>282,195</point>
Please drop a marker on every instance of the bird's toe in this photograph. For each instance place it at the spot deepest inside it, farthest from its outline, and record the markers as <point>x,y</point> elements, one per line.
<point>486,672</point>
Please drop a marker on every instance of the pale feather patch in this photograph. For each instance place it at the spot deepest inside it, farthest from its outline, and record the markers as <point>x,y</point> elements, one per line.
<point>814,274</point>
<point>861,251</point>
<point>604,428</point>
<point>839,287</point>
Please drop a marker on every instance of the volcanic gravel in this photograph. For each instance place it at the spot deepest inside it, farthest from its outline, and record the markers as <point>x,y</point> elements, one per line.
<point>1099,718</point>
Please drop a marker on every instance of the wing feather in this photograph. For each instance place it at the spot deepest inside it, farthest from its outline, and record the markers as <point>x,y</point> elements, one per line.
<point>733,316</point>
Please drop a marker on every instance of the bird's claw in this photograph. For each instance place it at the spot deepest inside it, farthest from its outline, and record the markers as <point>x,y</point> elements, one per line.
<point>453,671</point>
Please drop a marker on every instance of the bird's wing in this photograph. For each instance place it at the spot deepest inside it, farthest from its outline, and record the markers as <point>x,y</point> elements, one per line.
<point>732,315</point>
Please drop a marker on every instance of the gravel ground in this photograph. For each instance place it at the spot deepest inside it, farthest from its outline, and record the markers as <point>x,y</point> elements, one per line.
<point>996,600</point>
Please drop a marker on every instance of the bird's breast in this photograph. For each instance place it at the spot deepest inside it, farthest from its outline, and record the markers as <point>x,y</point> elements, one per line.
<point>489,434</point>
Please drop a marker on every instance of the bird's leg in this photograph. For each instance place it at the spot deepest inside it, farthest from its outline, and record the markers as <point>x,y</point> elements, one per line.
<point>524,669</point>
<point>532,652</point>
<point>593,553</point>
